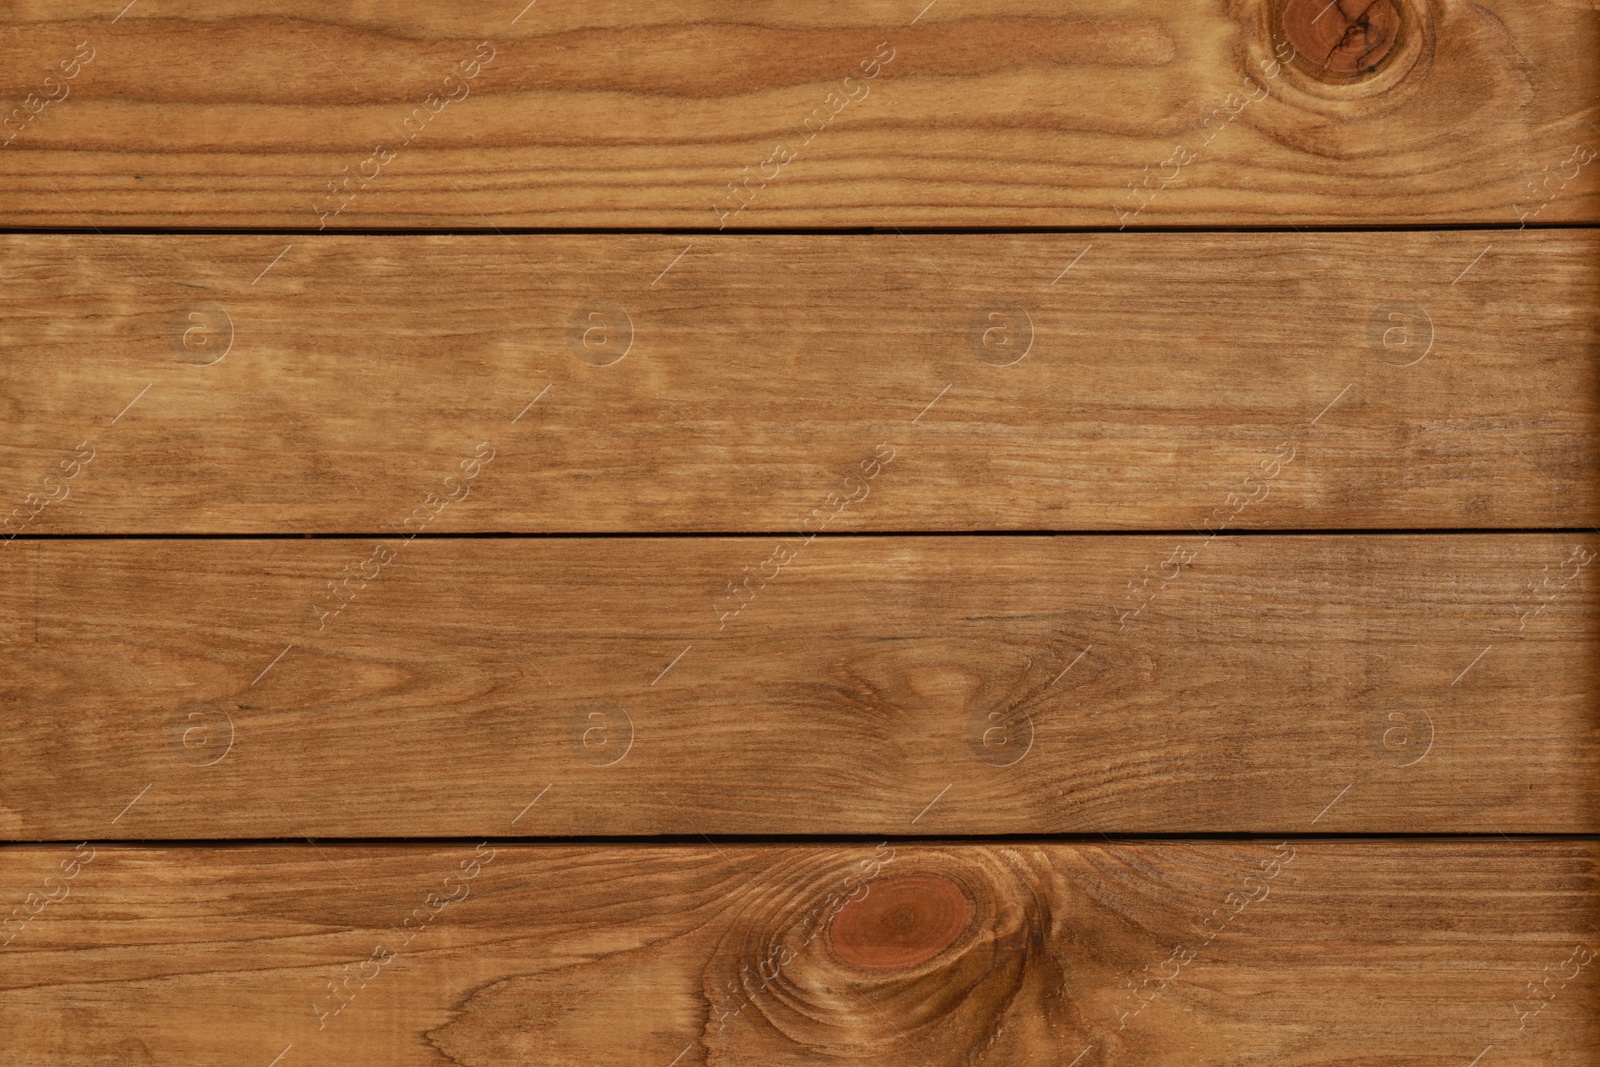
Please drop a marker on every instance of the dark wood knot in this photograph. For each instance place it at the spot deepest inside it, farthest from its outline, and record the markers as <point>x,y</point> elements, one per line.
<point>901,921</point>
<point>1348,37</point>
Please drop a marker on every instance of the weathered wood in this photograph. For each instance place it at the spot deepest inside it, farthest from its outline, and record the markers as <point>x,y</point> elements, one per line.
<point>1386,380</point>
<point>1306,953</point>
<point>711,113</point>
<point>785,685</point>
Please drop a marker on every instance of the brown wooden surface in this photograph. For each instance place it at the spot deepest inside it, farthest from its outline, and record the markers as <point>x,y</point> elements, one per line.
<point>874,685</point>
<point>1402,379</point>
<point>1150,483</point>
<point>1304,953</point>
<point>904,113</point>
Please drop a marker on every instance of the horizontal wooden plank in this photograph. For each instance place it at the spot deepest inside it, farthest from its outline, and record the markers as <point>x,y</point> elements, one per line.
<point>352,688</point>
<point>1294,953</point>
<point>242,384</point>
<point>711,113</point>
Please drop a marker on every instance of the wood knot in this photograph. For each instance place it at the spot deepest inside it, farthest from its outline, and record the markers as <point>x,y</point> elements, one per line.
<point>901,922</point>
<point>1345,37</point>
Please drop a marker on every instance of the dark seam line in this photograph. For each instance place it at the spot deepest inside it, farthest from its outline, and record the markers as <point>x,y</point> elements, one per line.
<point>794,231</point>
<point>1095,837</point>
<point>723,535</point>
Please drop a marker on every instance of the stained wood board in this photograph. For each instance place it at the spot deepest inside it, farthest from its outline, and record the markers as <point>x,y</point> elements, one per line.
<point>627,384</point>
<point>975,685</point>
<point>1259,952</point>
<point>295,114</point>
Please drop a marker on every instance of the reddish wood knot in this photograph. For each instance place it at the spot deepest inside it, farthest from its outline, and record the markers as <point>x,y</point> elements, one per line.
<point>901,921</point>
<point>1348,37</point>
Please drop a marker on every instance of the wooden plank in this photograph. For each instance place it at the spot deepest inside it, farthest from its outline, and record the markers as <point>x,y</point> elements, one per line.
<point>241,384</point>
<point>1299,953</point>
<point>868,685</point>
<point>711,113</point>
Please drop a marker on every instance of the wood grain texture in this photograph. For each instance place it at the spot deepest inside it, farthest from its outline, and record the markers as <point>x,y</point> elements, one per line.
<point>1384,381</point>
<point>868,685</point>
<point>694,113</point>
<point>1300,954</point>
